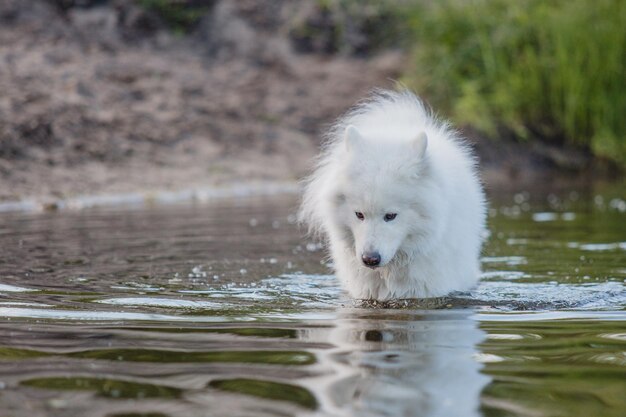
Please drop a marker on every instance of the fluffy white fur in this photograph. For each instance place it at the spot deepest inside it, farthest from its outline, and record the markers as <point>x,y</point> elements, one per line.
<point>391,155</point>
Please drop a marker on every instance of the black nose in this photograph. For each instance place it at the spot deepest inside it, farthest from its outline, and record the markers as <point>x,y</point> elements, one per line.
<point>371,258</point>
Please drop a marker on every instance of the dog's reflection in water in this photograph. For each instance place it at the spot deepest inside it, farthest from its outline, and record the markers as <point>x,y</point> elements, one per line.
<point>395,363</point>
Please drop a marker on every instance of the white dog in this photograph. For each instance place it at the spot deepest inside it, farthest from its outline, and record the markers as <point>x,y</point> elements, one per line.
<point>396,195</point>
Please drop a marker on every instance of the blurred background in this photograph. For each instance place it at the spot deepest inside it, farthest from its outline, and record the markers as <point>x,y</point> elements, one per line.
<point>112,96</point>
<point>225,309</point>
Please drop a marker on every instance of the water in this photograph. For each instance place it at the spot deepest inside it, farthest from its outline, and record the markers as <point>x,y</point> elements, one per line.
<point>224,309</point>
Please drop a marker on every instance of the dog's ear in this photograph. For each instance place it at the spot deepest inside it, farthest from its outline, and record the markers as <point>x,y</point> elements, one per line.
<point>419,145</point>
<point>352,138</point>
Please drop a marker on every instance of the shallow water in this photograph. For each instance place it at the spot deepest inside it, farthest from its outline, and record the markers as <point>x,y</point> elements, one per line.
<point>224,309</point>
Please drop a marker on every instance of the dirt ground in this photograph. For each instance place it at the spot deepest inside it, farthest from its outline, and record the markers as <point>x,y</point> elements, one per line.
<point>102,98</point>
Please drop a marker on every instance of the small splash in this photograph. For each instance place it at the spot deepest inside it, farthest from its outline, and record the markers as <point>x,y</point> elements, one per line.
<point>309,290</point>
<point>22,304</point>
<point>314,247</point>
<point>137,286</point>
<point>197,272</point>
<point>545,217</point>
<point>414,303</point>
<point>507,260</point>
<point>487,358</point>
<point>105,316</point>
<point>301,290</point>
<point>618,204</point>
<point>598,247</point>
<point>551,295</point>
<point>13,288</point>
<point>500,275</point>
<point>159,302</point>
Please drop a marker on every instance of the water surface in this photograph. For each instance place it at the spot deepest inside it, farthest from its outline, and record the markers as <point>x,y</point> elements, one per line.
<point>224,309</point>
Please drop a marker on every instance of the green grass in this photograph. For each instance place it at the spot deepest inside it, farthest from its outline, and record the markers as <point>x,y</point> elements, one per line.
<point>550,70</point>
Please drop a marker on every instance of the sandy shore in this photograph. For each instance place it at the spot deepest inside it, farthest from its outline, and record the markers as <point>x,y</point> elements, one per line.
<point>103,101</point>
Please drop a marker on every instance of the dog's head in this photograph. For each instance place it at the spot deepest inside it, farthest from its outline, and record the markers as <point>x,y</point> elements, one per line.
<point>383,202</point>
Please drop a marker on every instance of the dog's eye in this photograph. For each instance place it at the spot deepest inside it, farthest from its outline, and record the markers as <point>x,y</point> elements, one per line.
<point>390,216</point>
<point>359,215</point>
